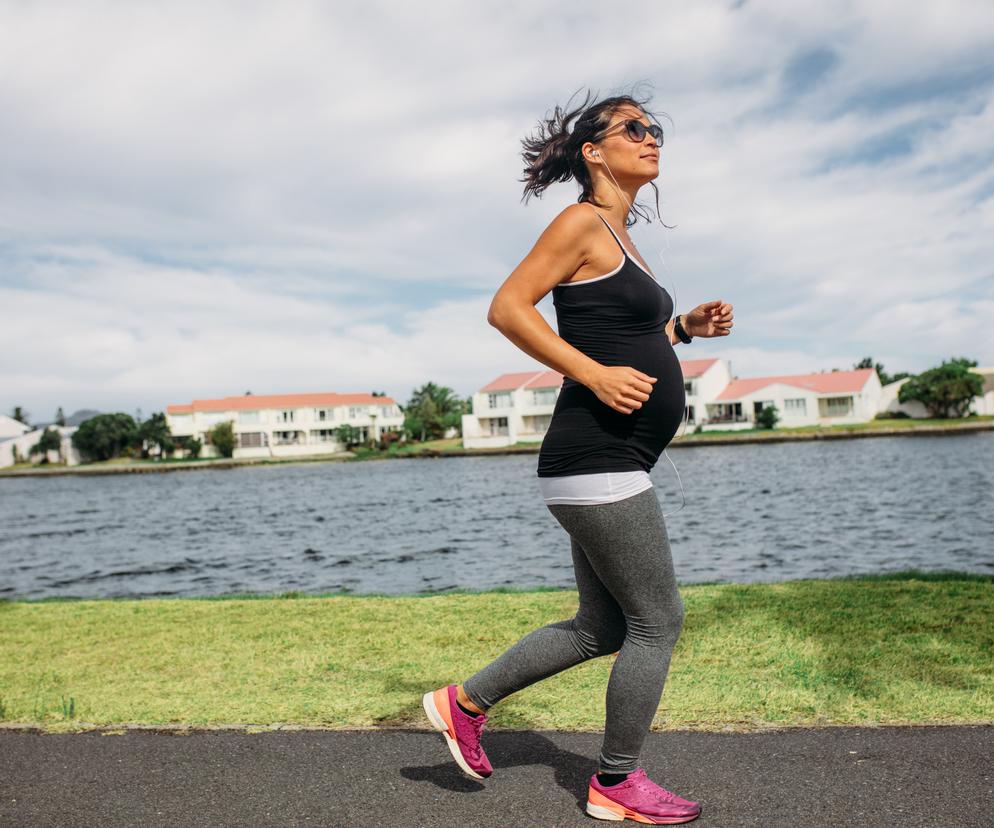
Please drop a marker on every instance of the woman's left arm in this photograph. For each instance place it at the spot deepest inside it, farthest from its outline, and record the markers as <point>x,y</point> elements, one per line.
<point>707,320</point>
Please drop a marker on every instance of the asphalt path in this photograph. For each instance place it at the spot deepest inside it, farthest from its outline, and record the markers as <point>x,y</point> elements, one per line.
<point>839,776</point>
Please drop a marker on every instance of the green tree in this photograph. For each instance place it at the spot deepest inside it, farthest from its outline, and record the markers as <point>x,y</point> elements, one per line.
<point>768,417</point>
<point>347,435</point>
<point>431,410</point>
<point>885,378</point>
<point>155,432</point>
<point>105,436</point>
<point>50,440</point>
<point>222,437</point>
<point>20,415</point>
<point>193,447</point>
<point>60,417</point>
<point>945,391</point>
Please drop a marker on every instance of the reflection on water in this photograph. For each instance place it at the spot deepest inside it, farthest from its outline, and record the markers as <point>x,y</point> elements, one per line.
<point>754,513</point>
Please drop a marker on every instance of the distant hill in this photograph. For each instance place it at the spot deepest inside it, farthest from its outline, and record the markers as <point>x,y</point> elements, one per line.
<point>77,417</point>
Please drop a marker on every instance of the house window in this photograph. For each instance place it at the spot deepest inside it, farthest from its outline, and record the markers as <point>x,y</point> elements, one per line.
<point>251,439</point>
<point>285,416</point>
<point>689,387</point>
<point>544,396</point>
<point>322,414</point>
<point>797,407</point>
<point>690,415</point>
<point>249,417</point>
<point>498,426</point>
<point>499,400</point>
<point>838,406</point>
<point>356,411</point>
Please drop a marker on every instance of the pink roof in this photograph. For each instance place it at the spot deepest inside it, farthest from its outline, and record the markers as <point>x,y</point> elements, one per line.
<point>695,367</point>
<point>525,379</point>
<point>546,379</point>
<point>835,382</point>
<point>253,402</point>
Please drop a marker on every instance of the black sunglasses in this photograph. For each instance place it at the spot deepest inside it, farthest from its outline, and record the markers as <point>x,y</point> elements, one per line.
<point>636,130</point>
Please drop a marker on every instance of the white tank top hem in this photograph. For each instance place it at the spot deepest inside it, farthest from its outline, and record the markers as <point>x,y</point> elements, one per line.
<point>592,489</point>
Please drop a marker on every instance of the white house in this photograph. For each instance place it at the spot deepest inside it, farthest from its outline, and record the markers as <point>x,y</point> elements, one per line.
<point>22,443</point>
<point>286,425</point>
<point>703,380</point>
<point>827,398</point>
<point>514,408</point>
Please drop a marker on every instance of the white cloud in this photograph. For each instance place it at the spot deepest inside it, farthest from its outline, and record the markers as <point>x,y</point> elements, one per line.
<point>200,199</point>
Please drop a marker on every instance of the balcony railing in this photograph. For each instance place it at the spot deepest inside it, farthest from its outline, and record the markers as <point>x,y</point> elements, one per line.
<point>727,418</point>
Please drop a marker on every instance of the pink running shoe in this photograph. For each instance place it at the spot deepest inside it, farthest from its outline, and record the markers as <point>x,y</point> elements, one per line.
<point>461,732</point>
<point>640,799</point>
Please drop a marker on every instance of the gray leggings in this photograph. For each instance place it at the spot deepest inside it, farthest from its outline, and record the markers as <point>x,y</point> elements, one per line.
<point>628,601</point>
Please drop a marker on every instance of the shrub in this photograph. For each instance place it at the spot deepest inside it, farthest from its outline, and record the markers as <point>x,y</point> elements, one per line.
<point>768,417</point>
<point>222,437</point>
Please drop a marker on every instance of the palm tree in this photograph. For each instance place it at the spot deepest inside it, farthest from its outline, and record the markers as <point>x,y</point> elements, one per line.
<point>432,409</point>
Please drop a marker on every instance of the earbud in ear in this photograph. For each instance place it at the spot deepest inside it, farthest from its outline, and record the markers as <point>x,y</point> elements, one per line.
<point>594,152</point>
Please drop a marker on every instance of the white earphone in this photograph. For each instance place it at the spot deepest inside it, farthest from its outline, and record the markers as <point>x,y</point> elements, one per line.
<point>683,420</point>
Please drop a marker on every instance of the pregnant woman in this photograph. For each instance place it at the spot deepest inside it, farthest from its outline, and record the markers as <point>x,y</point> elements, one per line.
<point>621,402</point>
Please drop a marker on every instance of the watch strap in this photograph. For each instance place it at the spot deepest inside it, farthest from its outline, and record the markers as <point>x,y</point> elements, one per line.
<point>681,332</point>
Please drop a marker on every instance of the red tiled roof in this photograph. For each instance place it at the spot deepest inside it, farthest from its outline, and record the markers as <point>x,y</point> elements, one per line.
<point>523,379</point>
<point>546,379</point>
<point>835,382</point>
<point>254,402</point>
<point>695,367</point>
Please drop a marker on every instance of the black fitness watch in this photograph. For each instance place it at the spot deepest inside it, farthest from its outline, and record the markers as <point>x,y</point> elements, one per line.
<point>680,332</point>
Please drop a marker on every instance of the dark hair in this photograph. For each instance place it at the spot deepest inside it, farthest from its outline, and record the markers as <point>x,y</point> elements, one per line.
<point>552,152</point>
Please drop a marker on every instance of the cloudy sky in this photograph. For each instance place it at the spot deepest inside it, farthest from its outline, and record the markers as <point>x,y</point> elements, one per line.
<point>199,199</point>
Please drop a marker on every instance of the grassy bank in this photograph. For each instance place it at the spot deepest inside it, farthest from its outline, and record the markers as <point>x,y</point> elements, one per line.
<point>907,648</point>
<point>883,426</point>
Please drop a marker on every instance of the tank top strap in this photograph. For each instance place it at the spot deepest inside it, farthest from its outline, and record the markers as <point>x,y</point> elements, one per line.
<point>608,226</point>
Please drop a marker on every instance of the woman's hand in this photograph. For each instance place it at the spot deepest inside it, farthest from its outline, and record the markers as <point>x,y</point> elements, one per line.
<point>710,319</point>
<point>623,388</point>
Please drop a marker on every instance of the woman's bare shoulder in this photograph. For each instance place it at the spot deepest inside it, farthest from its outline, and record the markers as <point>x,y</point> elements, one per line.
<point>573,224</point>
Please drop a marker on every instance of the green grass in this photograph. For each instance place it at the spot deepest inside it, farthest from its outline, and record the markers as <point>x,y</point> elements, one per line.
<point>872,425</point>
<point>907,648</point>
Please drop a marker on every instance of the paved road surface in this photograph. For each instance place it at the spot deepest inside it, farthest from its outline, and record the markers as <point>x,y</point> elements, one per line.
<point>887,776</point>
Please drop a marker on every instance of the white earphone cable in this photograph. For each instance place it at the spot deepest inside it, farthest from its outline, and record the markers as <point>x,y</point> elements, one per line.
<point>683,422</point>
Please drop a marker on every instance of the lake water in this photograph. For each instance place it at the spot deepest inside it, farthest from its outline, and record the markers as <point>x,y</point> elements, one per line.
<point>754,513</point>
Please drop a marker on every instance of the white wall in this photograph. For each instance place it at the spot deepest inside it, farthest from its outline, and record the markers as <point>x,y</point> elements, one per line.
<point>527,417</point>
<point>707,386</point>
<point>29,439</point>
<point>9,427</point>
<point>888,401</point>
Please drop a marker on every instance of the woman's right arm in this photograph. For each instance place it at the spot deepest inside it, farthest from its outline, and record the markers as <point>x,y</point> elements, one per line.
<point>559,252</point>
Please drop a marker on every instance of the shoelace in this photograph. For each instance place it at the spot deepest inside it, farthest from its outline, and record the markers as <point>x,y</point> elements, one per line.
<point>477,724</point>
<point>660,793</point>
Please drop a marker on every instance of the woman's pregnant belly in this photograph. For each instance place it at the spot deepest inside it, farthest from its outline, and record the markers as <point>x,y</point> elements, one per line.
<point>586,434</point>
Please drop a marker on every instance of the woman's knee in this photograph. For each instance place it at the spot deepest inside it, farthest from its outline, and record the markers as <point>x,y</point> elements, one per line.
<point>659,627</point>
<point>599,640</point>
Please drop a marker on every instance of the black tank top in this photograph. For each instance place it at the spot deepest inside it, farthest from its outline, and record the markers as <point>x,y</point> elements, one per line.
<point>616,319</point>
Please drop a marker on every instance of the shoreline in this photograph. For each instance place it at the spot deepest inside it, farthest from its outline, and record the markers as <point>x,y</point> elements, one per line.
<point>971,426</point>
